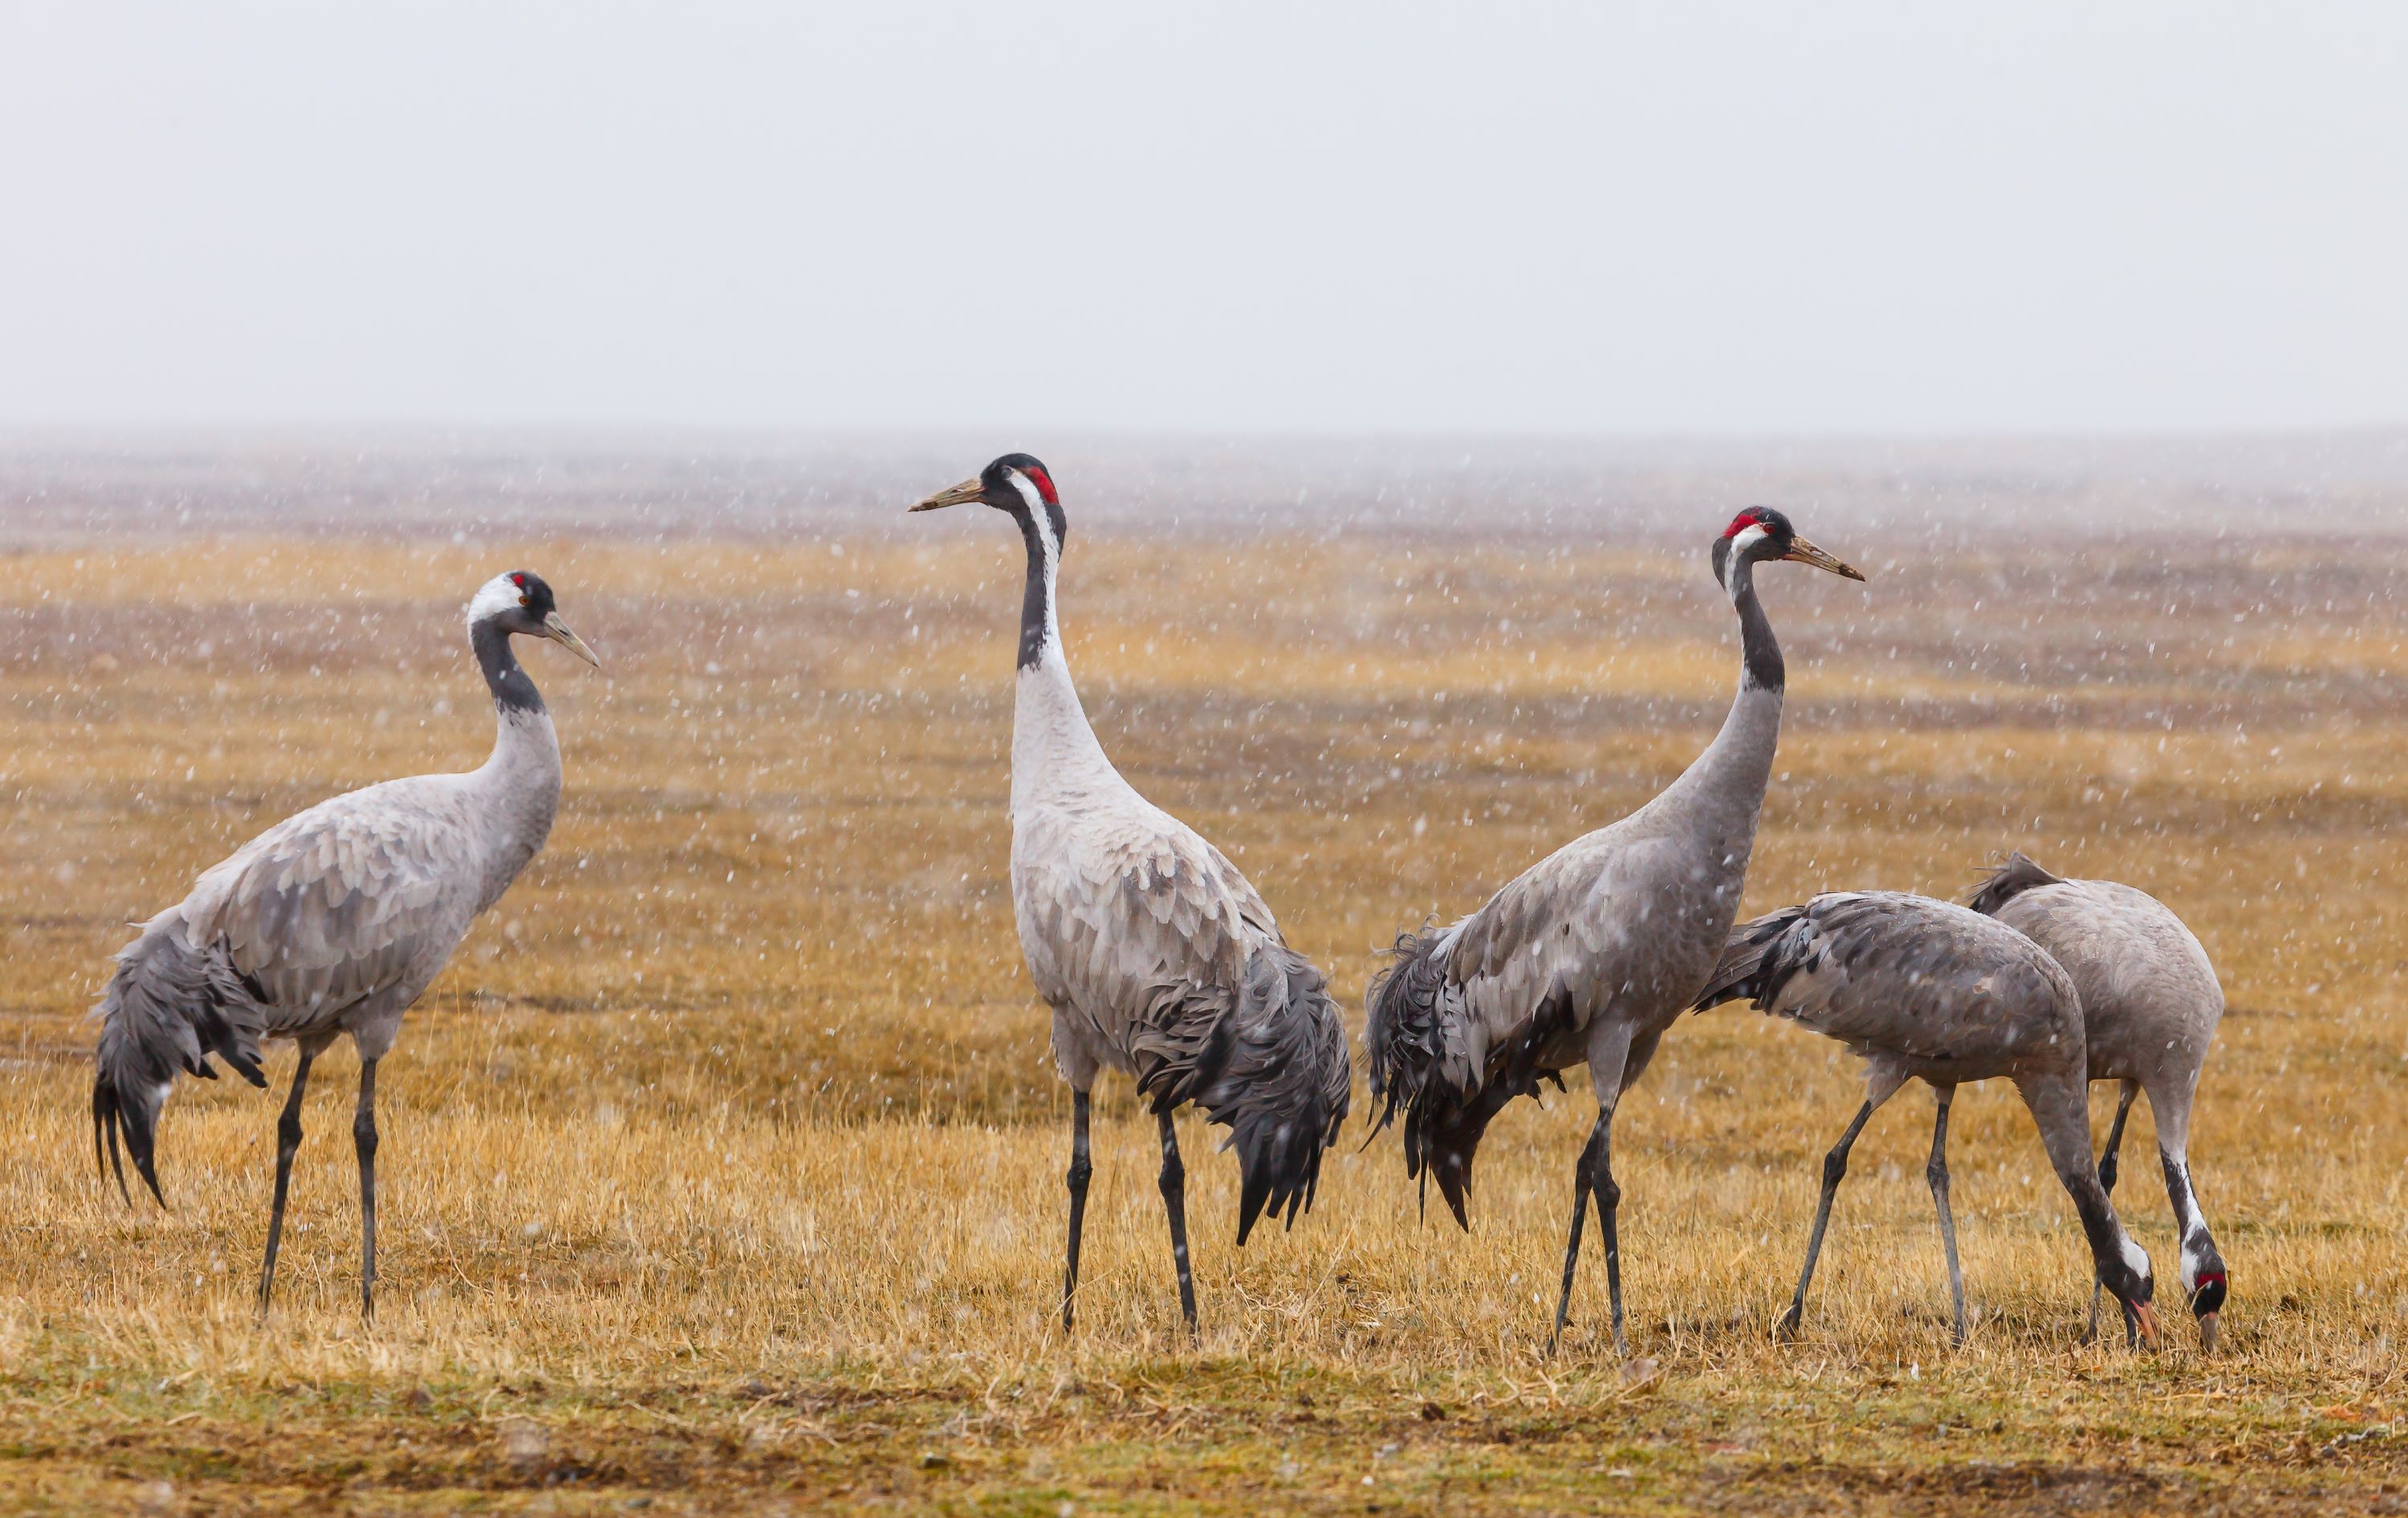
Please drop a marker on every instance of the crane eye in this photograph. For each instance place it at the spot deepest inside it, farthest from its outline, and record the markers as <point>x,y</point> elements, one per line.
<point>526,600</point>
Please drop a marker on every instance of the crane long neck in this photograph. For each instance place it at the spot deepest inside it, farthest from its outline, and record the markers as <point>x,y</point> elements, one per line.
<point>1761,653</point>
<point>1039,629</point>
<point>513,691</point>
<point>1054,748</point>
<point>1722,790</point>
<point>520,780</point>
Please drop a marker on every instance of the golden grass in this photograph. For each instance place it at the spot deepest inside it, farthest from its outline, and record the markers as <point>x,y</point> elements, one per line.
<point>726,1157</point>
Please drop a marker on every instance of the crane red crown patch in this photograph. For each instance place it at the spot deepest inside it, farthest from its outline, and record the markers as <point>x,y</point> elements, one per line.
<point>518,580</point>
<point>1044,483</point>
<point>1743,522</point>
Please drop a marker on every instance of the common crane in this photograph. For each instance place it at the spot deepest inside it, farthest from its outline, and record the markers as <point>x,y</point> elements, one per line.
<point>1930,991</point>
<point>332,922</point>
<point>1594,952</point>
<point>2150,1002</point>
<point>1157,956</point>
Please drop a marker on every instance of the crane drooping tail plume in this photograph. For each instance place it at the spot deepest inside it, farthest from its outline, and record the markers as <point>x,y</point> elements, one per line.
<point>167,1008</point>
<point>1269,1064</point>
<point>1412,1042</point>
<point>2009,881</point>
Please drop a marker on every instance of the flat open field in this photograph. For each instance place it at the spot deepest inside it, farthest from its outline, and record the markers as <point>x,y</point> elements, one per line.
<point>721,1170</point>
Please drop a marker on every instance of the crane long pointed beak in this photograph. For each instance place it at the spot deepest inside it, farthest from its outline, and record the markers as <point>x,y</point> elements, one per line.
<point>2207,1332</point>
<point>558,632</point>
<point>968,490</point>
<point>2145,1316</point>
<point>1802,552</point>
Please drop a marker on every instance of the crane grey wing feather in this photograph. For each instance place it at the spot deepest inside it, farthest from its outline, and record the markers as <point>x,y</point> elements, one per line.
<point>1904,974</point>
<point>1570,930</point>
<point>1111,908</point>
<point>1132,921</point>
<point>2131,957</point>
<point>356,895</point>
<point>1469,1017</point>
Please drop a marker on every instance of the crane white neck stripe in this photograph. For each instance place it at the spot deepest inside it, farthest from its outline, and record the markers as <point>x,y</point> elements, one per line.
<point>1745,539</point>
<point>1040,627</point>
<point>1048,545</point>
<point>1028,491</point>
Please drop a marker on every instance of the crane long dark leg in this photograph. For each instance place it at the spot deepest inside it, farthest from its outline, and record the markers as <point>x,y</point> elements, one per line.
<point>1608,1206</point>
<point>288,1143</point>
<point>1585,1175</point>
<point>1079,1170</point>
<point>1174,1201</point>
<point>1936,1172</point>
<point>2107,1182</point>
<point>1835,1165</point>
<point>1616,1054</point>
<point>364,1139</point>
<point>2115,1135</point>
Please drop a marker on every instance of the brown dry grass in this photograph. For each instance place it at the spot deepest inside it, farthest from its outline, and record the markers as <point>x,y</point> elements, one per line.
<point>722,1167</point>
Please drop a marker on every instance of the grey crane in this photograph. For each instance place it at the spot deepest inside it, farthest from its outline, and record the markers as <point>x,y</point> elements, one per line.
<point>1927,990</point>
<point>1593,953</point>
<point>1157,956</point>
<point>2150,1003</point>
<point>331,922</point>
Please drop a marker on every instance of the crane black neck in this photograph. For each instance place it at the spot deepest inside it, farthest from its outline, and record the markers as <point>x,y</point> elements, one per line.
<point>1762,668</point>
<point>1044,539</point>
<point>513,690</point>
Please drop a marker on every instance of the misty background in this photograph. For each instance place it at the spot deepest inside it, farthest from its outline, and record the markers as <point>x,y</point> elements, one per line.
<point>756,267</point>
<point>1871,218</point>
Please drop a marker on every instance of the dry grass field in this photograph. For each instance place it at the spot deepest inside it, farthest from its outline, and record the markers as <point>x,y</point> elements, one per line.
<point>721,1170</point>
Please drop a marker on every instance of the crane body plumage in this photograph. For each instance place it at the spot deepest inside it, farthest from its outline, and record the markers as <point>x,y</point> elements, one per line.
<point>1589,956</point>
<point>332,922</point>
<point>1156,955</point>
<point>1926,990</point>
<point>2150,1004</point>
<point>1159,960</point>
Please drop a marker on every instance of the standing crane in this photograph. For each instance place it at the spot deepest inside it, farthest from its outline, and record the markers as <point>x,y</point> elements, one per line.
<point>332,922</point>
<point>2150,1002</point>
<point>1927,990</point>
<point>1594,952</point>
<point>1157,956</point>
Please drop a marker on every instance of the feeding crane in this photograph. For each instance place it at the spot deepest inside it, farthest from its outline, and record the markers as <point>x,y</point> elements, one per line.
<point>1157,956</point>
<point>1927,990</point>
<point>332,923</point>
<point>2150,1003</point>
<point>1593,953</point>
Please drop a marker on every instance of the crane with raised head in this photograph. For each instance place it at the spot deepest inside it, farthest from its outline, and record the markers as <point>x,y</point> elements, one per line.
<point>1157,958</point>
<point>332,923</point>
<point>1590,954</point>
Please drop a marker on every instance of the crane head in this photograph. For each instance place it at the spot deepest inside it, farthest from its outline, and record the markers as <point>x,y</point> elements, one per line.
<point>2127,1276</point>
<point>1017,482</point>
<point>1760,533</point>
<point>520,603</point>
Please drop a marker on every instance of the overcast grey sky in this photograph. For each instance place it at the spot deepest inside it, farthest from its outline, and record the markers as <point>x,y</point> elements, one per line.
<point>1298,217</point>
